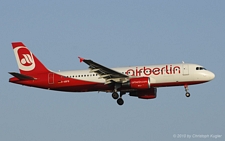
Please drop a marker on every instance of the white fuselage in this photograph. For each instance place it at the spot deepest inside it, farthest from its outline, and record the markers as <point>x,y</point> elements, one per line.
<point>159,74</point>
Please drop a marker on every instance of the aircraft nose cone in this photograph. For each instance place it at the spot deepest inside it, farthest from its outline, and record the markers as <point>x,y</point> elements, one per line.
<point>211,76</point>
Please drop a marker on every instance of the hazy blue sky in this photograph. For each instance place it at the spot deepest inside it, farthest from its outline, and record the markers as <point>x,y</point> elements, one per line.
<point>113,33</point>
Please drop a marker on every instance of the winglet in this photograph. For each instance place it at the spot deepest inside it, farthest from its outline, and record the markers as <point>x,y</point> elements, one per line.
<point>81,59</point>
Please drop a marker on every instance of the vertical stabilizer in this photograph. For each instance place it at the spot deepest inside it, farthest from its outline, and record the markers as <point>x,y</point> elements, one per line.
<point>27,62</point>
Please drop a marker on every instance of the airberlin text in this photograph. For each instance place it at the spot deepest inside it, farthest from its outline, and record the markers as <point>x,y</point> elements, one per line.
<point>168,69</point>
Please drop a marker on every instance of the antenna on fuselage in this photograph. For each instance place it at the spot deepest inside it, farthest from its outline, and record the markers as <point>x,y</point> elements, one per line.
<point>183,62</point>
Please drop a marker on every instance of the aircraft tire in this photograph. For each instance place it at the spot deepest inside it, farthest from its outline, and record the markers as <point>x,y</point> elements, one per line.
<point>115,95</point>
<point>120,101</point>
<point>187,94</point>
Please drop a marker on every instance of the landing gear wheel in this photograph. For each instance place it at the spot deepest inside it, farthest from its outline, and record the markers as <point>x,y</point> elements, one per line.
<point>187,94</point>
<point>115,95</point>
<point>120,101</point>
<point>186,90</point>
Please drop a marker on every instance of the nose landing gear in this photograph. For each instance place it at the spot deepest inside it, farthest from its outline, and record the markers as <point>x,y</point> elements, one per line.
<point>187,94</point>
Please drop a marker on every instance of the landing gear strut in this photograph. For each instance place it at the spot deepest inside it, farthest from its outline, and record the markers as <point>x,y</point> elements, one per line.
<point>115,94</point>
<point>187,94</point>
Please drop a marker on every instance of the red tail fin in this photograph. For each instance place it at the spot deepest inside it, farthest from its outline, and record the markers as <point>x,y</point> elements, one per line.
<point>28,64</point>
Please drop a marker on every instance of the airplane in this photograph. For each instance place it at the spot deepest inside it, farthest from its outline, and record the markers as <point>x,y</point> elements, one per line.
<point>139,81</point>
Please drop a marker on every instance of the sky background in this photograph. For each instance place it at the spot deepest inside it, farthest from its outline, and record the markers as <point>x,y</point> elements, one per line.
<point>112,33</point>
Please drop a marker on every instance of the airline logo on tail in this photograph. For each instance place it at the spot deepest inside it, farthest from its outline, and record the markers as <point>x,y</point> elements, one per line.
<point>24,58</point>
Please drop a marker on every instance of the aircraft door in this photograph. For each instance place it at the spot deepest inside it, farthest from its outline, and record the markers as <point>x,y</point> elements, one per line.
<point>185,69</point>
<point>51,78</point>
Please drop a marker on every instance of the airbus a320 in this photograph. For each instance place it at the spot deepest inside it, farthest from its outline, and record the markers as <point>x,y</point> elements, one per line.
<point>139,81</point>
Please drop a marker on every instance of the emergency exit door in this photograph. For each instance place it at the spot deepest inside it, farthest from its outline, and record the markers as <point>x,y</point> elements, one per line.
<point>185,69</point>
<point>51,78</point>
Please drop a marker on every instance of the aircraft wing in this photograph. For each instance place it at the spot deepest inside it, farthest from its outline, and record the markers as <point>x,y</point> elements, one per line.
<point>108,74</point>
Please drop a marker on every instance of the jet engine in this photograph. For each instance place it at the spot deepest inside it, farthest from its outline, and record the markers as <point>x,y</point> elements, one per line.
<point>145,94</point>
<point>138,83</point>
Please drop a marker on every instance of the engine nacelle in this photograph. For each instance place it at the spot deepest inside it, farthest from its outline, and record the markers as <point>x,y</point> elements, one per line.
<point>145,94</point>
<point>138,83</point>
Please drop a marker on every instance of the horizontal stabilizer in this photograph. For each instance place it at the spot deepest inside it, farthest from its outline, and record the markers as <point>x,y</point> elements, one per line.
<point>21,76</point>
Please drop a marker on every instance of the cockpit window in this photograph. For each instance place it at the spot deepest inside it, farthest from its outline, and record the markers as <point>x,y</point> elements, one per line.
<point>200,68</point>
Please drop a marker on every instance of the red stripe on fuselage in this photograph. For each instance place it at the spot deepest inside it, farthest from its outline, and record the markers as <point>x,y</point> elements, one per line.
<point>61,83</point>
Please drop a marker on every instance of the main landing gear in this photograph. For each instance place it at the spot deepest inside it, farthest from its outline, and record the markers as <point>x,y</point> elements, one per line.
<point>115,95</point>
<point>187,94</point>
